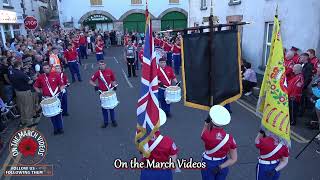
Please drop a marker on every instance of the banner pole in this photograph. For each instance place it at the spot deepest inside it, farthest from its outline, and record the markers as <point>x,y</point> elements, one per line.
<point>211,84</point>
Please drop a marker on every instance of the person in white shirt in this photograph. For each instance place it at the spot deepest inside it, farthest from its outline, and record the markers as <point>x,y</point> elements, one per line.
<point>249,80</point>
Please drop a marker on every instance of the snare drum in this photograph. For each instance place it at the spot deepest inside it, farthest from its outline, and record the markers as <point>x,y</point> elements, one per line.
<point>109,99</point>
<point>172,94</point>
<point>51,106</point>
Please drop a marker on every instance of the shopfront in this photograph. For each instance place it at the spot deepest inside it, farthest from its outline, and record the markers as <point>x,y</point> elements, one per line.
<point>10,25</point>
<point>99,21</point>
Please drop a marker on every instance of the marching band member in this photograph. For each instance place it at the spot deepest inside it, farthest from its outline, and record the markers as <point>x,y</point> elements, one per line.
<point>221,148</point>
<point>129,55</point>
<point>176,51</point>
<point>106,81</point>
<point>49,84</point>
<point>161,148</point>
<point>295,87</point>
<point>157,41</point>
<point>99,50</point>
<point>167,46</point>
<point>64,97</point>
<point>75,42</point>
<point>165,77</point>
<point>273,157</point>
<point>71,55</point>
<point>83,46</point>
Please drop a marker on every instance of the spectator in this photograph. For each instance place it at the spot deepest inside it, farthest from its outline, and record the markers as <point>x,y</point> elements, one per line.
<point>7,89</point>
<point>22,86</point>
<point>313,59</point>
<point>249,80</point>
<point>288,63</point>
<point>295,86</point>
<point>295,57</point>
<point>306,70</point>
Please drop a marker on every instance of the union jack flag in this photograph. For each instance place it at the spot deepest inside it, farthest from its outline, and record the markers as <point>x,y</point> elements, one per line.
<point>148,104</point>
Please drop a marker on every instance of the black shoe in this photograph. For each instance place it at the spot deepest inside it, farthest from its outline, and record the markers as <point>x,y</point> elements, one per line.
<point>55,133</point>
<point>293,123</point>
<point>65,114</point>
<point>80,80</point>
<point>168,115</point>
<point>129,76</point>
<point>114,124</point>
<point>104,125</point>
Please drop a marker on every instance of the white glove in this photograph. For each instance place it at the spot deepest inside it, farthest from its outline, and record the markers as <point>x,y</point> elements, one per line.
<point>63,91</point>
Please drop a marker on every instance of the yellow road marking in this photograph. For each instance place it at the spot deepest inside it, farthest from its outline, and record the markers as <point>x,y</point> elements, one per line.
<point>295,136</point>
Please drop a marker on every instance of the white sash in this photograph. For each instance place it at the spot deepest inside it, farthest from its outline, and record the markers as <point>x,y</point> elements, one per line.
<point>104,80</point>
<point>165,76</point>
<point>49,87</point>
<point>266,156</point>
<point>219,146</point>
<point>155,143</point>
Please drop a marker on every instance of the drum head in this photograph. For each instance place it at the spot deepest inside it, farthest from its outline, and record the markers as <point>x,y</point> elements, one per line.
<point>48,100</point>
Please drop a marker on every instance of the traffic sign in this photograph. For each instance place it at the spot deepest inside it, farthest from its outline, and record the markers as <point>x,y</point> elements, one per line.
<point>30,23</point>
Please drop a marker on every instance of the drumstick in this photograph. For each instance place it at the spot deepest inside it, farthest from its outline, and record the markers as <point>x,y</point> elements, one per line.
<point>178,84</point>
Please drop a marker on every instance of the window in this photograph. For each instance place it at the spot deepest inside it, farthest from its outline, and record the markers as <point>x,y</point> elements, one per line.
<point>203,4</point>
<point>267,41</point>
<point>173,1</point>
<point>6,3</point>
<point>136,1</point>
<point>234,2</point>
<point>96,2</point>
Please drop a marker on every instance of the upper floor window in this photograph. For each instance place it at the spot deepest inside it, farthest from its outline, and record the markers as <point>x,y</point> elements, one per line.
<point>234,2</point>
<point>6,3</point>
<point>267,41</point>
<point>203,4</point>
<point>96,2</point>
<point>173,1</point>
<point>136,1</point>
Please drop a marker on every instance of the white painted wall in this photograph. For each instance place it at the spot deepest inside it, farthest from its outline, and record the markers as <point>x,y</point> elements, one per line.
<point>76,8</point>
<point>300,22</point>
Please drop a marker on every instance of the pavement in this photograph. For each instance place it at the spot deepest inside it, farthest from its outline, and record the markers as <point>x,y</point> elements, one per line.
<point>85,151</point>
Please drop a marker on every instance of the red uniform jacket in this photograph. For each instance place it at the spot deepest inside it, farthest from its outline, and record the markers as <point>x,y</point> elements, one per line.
<point>167,47</point>
<point>64,78</point>
<point>315,63</point>
<point>289,69</point>
<point>295,86</point>
<point>296,58</point>
<point>108,76</point>
<point>176,49</point>
<point>170,75</point>
<point>140,54</point>
<point>99,47</point>
<point>163,150</point>
<point>54,81</point>
<point>267,145</point>
<point>157,42</point>
<point>212,138</point>
<point>71,55</point>
<point>82,40</point>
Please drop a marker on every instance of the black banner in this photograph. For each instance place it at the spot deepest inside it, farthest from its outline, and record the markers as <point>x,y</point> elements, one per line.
<point>222,81</point>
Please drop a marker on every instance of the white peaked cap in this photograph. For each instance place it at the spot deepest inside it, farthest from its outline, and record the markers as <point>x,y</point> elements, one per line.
<point>162,117</point>
<point>220,115</point>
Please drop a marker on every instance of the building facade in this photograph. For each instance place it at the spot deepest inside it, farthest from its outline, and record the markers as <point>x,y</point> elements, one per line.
<point>11,19</point>
<point>124,15</point>
<point>300,24</point>
<point>13,12</point>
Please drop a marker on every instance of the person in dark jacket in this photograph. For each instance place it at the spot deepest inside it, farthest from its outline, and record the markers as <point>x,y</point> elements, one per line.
<point>307,72</point>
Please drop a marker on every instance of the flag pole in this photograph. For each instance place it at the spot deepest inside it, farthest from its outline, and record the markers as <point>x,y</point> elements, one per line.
<point>211,84</point>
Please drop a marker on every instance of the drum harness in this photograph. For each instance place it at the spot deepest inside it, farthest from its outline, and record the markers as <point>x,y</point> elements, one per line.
<point>105,82</point>
<point>53,93</point>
